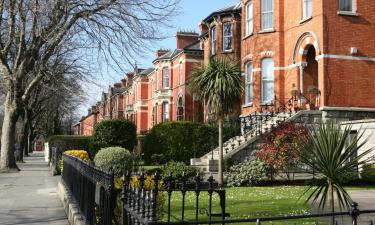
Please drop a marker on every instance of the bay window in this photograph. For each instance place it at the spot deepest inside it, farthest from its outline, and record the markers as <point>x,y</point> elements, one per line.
<point>165,77</point>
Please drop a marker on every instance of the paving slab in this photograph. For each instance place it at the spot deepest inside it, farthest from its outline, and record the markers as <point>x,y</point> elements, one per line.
<point>29,197</point>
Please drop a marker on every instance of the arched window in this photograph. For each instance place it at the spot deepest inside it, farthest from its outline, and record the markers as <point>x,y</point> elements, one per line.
<point>249,84</point>
<point>268,79</point>
<point>180,109</point>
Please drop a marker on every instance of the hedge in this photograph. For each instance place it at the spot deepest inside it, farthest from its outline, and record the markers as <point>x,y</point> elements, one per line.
<point>68,142</point>
<point>178,141</point>
<point>109,133</point>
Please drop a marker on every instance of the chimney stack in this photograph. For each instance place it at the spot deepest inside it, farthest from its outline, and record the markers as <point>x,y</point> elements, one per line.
<point>185,38</point>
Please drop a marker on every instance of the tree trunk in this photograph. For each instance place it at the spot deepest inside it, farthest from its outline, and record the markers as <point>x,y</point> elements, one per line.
<point>332,201</point>
<point>220,172</point>
<point>7,160</point>
<point>23,141</point>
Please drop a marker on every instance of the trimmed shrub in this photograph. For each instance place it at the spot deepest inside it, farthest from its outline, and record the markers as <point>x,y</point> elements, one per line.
<point>368,173</point>
<point>177,169</point>
<point>110,133</point>
<point>246,173</point>
<point>114,159</point>
<point>179,141</point>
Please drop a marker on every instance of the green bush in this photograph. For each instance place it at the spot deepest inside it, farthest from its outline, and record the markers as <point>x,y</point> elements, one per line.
<point>246,173</point>
<point>158,159</point>
<point>177,169</point>
<point>114,159</point>
<point>368,173</point>
<point>179,141</point>
<point>109,133</point>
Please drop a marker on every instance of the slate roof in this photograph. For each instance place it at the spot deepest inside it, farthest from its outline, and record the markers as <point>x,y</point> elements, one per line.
<point>231,9</point>
<point>146,71</point>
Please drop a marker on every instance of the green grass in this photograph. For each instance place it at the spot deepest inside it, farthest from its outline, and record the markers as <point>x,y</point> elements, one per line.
<point>249,202</point>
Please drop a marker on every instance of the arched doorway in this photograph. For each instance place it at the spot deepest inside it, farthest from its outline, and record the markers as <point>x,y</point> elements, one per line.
<point>310,76</point>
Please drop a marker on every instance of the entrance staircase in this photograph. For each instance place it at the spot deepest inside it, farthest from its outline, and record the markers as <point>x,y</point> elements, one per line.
<point>252,126</point>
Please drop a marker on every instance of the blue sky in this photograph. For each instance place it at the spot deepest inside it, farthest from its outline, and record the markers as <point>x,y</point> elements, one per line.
<point>192,12</point>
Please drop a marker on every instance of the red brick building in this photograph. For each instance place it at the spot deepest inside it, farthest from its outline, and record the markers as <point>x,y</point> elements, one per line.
<point>312,54</point>
<point>321,49</point>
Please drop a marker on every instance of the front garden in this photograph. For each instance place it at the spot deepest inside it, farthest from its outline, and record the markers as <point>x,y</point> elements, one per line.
<point>252,189</point>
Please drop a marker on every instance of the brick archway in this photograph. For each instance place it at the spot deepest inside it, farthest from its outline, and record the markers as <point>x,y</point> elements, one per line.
<point>304,42</point>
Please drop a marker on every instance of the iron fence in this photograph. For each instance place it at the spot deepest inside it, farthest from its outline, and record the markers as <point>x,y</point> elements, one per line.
<point>143,196</point>
<point>91,188</point>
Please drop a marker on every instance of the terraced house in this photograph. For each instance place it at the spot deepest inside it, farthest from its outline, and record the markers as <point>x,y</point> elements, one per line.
<point>302,60</point>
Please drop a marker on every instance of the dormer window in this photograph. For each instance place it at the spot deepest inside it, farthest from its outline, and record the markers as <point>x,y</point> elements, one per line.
<point>227,37</point>
<point>213,41</point>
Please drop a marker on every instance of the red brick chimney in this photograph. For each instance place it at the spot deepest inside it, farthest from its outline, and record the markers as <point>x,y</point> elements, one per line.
<point>161,52</point>
<point>123,82</point>
<point>184,39</point>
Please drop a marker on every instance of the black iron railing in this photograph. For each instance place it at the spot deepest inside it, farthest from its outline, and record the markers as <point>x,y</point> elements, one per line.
<point>91,188</point>
<point>147,200</point>
<point>145,204</point>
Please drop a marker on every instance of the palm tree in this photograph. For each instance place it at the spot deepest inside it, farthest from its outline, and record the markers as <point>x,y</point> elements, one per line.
<point>219,86</point>
<point>331,151</point>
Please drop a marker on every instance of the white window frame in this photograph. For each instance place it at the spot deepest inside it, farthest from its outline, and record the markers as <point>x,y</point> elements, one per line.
<point>265,13</point>
<point>353,9</point>
<point>213,40</point>
<point>230,37</point>
<point>268,78</point>
<point>307,7</point>
<point>249,18</point>
<point>165,73</point>
<point>165,111</point>
<point>249,84</point>
<point>180,73</point>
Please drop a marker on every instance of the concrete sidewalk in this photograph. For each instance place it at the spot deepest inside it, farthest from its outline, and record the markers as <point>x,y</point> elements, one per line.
<point>29,197</point>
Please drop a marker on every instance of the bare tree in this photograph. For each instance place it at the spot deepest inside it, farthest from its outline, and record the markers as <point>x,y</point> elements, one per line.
<point>32,30</point>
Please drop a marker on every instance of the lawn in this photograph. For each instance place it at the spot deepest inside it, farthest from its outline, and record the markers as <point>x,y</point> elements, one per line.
<point>249,202</point>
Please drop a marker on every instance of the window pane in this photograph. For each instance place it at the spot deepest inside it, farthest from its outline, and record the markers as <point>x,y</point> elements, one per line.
<point>227,29</point>
<point>165,78</point>
<point>267,80</point>
<point>346,5</point>
<point>249,84</point>
<point>213,41</point>
<point>267,14</point>
<point>180,81</point>
<point>249,18</point>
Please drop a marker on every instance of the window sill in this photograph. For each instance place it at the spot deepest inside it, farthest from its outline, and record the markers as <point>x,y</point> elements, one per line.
<point>347,13</point>
<point>247,105</point>
<point>266,31</point>
<point>305,20</point>
<point>247,36</point>
<point>227,51</point>
<point>267,104</point>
